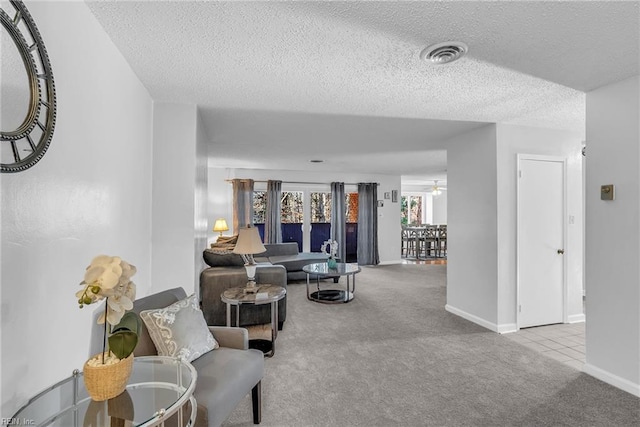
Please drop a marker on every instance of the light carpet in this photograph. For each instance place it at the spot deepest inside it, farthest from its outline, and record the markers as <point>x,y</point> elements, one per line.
<point>394,357</point>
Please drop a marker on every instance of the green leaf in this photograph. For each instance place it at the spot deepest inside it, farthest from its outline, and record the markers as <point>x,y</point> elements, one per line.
<point>129,322</point>
<point>122,343</point>
<point>124,337</point>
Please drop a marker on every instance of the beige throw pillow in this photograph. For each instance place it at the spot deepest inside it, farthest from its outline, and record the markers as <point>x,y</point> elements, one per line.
<point>179,330</point>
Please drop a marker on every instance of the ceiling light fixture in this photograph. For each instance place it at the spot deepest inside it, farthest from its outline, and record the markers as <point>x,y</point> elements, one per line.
<point>316,161</point>
<point>445,52</point>
<point>436,190</point>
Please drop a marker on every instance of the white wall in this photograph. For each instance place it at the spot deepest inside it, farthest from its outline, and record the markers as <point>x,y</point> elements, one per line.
<point>219,201</point>
<point>201,220</point>
<point>472,226</point>
<point>434,208</point>
<point>427,208</point>
<point>90,194</point>
<point>511,140</point>
<point>613,235</point>
<point>481,189</point>
<point>220,196</point>
<point>427,201</point>
<point>174,216</point>
<point>439,208</point>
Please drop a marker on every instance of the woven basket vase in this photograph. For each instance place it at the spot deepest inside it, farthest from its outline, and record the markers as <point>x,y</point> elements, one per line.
<point>104,382</point>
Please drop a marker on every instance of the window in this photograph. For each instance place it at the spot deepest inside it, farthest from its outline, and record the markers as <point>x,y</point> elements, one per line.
<point>292,217</point>
<point>319,207</point>
<point>351,218</point>
<point>292,205</point>
<point>411,210</point>
<point>320,219</point>
<point>259,207</point>
<point>352,207</point>
<point>291,214</point>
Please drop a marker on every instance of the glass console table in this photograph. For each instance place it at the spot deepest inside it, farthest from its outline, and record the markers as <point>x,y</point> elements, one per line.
<point>158,388</point>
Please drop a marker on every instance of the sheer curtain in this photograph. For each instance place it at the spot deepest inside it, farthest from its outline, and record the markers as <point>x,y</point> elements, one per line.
<point>338,221</point>
<point>368,224</point>
<point>242,203</point>
<point>272,228</point>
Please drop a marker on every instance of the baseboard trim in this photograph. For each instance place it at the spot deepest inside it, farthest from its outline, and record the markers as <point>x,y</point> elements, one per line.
<point>507,328</point>
<point>392,262</point>
<point>614,380</point>
<point>472,318</point>
<point>576,318</point>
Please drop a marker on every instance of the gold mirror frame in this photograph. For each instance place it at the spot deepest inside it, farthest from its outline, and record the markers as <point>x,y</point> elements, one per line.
<point>30,140</point>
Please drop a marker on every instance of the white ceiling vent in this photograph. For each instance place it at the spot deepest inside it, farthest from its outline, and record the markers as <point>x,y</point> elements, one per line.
<point>443,53</point>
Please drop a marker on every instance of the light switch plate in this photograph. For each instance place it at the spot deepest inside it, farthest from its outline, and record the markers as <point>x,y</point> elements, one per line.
<point>607,192</point>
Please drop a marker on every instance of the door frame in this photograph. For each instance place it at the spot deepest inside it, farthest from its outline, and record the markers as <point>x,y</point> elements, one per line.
<point>562,160</point>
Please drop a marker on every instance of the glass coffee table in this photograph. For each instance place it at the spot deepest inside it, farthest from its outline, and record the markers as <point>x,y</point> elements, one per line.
<point>158,388</point>
<point>321,270</point>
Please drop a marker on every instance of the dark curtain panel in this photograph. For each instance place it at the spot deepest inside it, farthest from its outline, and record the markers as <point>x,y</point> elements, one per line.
<point>272,228</point>
<point>338,221</point>
<point>368,224</point>
<point>242,203</point>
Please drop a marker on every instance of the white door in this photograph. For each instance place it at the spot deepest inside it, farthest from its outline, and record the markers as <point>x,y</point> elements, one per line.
<point>541,196</point>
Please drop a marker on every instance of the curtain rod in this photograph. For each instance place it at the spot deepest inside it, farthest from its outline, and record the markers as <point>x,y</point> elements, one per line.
<point>299,182</point>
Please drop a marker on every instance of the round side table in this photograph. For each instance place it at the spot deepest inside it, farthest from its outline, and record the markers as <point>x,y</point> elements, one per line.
<point>265,294</point>
<point>158,388</point>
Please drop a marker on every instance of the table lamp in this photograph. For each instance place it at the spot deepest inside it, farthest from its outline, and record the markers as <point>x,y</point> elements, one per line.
<point>249,243</point>
<point>220,225</point>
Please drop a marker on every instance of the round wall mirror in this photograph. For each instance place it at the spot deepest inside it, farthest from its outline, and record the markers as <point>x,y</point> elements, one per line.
<point>28,98</point>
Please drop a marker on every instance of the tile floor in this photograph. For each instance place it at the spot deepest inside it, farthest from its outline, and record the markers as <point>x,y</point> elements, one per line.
<point>564,342</point>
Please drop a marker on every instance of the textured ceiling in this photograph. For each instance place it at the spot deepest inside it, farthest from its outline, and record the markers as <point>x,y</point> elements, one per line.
<point>279,83</point>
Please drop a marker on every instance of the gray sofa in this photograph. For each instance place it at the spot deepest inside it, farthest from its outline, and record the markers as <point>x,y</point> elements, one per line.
<point>227,271</point>
<point>279,264</point>
<point>225,375</point>
<point>287,255</point>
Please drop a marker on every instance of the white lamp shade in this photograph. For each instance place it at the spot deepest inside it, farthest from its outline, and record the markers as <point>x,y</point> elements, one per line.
<point>220,225</point>
<point>249,242</point>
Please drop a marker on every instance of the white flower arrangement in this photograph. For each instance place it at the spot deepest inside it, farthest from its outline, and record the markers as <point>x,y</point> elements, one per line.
<point>109,277</point>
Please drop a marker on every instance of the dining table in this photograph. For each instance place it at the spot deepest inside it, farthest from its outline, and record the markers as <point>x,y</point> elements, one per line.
<point>420,234</point>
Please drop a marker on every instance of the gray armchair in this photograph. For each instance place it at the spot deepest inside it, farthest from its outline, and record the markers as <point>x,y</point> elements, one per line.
<point>225,375</point>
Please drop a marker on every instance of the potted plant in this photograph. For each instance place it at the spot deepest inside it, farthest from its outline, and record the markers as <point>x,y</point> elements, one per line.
<point>109,278</point>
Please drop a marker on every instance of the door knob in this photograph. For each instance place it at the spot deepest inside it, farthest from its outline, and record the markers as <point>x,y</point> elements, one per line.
<point>560,251</point>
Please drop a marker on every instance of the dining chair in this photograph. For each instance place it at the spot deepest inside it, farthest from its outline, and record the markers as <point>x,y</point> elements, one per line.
<point>429,240</point>
<point>442,241</point>
<point>408,243</point>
